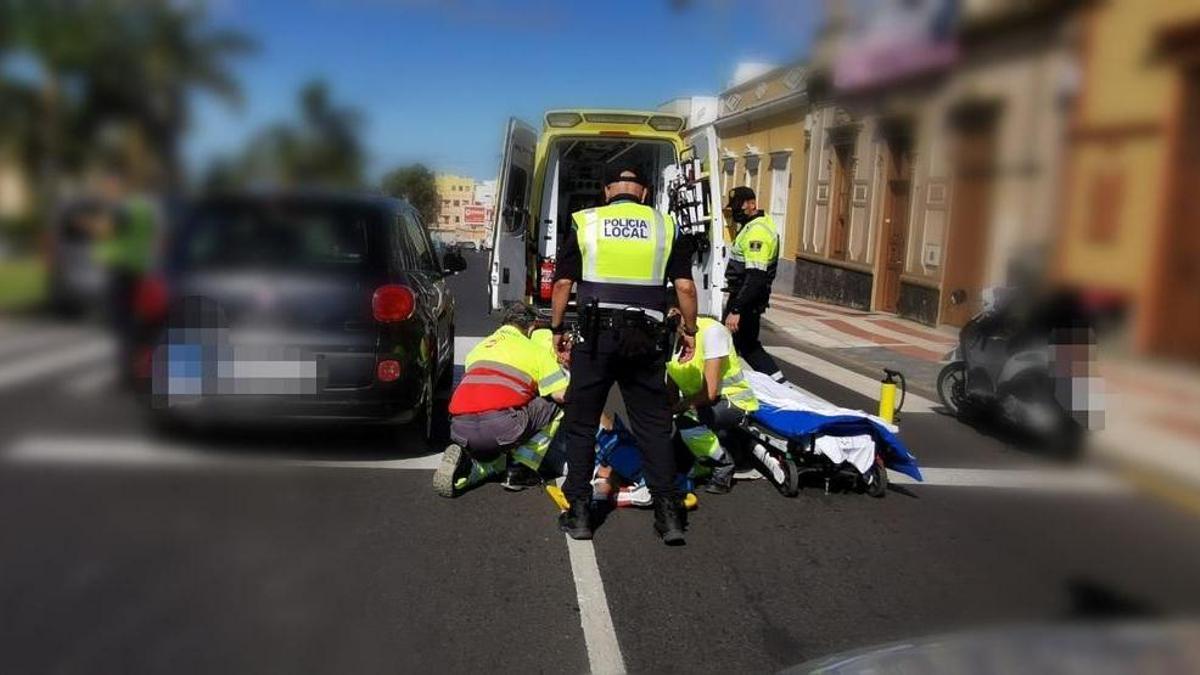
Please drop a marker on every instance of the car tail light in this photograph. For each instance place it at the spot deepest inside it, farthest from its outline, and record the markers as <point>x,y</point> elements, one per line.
<point>546,278</point>
<point>150,299</point>
<point>392,303</point>
<point>387,370</point>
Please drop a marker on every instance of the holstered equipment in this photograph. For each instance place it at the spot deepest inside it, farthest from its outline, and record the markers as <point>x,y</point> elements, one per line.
<point>638,334</point>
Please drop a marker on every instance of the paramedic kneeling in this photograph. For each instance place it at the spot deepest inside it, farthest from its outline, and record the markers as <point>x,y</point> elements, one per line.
<point>753,258</point>
<point>714,398</point>
<point>622,256</point>
<point>510,393</point>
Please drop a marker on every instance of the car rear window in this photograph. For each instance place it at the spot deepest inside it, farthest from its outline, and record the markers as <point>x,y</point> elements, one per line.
<point>276,236</point>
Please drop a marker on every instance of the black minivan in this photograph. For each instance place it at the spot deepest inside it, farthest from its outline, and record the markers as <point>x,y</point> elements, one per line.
<point>299,306</point>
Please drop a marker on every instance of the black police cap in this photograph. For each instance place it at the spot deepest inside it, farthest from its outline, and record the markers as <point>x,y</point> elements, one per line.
<point>619,173</point>
<point>739,196</point>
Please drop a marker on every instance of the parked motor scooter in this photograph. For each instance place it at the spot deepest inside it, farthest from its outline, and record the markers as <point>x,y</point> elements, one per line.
<point>1018,362</point>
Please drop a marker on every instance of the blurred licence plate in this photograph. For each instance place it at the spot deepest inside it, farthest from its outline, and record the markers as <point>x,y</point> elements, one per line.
<point>195,369</point>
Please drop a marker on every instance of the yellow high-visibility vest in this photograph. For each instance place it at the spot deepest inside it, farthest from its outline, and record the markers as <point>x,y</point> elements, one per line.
<point>756,246</point>
<point>624,248</point>
<point>689,376</point>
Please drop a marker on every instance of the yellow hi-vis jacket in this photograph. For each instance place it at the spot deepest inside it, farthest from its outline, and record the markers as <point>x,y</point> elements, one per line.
<point>689,376</point>
<point>624,249</point>
<point>506,370</point>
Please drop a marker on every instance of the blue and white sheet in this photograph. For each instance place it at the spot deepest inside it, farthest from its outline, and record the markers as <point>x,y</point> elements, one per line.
<point>841,434</point>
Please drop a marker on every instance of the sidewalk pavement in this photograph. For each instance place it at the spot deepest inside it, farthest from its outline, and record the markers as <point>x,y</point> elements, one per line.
<point>865,341</point>
<point>1151,424</point>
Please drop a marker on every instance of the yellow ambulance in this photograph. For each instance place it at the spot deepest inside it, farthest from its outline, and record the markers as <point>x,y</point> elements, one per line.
<point>545,177</point>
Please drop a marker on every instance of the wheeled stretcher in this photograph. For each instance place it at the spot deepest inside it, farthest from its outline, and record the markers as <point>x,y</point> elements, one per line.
<point>796,435</point>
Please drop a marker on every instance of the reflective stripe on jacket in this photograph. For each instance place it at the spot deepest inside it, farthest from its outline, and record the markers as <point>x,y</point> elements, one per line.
<point>624,248</point>
<point>506,370</point>
<point>755,247</point>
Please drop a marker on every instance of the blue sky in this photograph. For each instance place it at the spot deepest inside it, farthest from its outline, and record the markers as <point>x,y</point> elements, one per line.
<point>436,80</point>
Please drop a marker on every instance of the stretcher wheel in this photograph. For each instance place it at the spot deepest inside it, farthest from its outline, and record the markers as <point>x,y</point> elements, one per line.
<point>790,487</point>
<point>876,481</point>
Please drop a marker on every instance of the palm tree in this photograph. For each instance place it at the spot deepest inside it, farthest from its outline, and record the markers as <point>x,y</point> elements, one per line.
<point>155,54</point>
<point>332,150</point>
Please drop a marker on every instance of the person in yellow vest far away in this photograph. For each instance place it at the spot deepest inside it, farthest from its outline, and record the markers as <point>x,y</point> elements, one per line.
<point>712,398</point>
<point>753,257</point>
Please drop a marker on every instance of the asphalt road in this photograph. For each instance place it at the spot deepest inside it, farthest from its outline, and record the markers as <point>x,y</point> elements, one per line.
<point>126,551</point>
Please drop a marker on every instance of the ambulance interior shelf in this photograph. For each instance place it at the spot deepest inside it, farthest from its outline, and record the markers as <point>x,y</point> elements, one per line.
<point>690,198</point>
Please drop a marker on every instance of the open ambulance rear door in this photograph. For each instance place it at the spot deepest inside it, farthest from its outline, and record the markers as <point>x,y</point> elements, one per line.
<point>510,229</point>
<point>708,269</point>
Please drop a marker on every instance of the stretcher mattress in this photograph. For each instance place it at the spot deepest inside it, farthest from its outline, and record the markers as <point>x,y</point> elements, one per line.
<point>798,424</point>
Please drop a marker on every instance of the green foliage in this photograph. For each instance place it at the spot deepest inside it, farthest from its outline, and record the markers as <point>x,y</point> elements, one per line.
<point>107,71</point>
<point>416,184</point>
<point>323,148</point>
<point>22,284</point>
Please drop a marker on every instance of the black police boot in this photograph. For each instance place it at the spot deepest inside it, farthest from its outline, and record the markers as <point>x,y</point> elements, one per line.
<point>520,477</point>
<point>576,521</point>
<point>670,520</point>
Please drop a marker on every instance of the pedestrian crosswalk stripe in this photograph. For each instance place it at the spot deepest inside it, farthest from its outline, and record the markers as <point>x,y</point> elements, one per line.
<point>15,346</point>
<point>137,451</point>
<point>1073,480</point>
<point>93,381</point>
<point>861,384</point>
<point>52,362</point>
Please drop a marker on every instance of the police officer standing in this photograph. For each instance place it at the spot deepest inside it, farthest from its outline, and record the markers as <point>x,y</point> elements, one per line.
<point>753,258</point>
<point>621,256</point>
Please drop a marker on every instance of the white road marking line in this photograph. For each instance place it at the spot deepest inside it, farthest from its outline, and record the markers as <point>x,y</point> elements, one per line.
<point>137,452</point>
<point>140,452</point>
<point>462,345</point>
<point>50,363</point>
<point>849,379</point>
<point>599,634</point>
<point>1045,479</point>
<point>92,382</point>
<point>42,337</point>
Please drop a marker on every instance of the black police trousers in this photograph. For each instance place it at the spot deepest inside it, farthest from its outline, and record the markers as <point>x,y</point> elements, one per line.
<point>642,380</point>
<point>749,347</point>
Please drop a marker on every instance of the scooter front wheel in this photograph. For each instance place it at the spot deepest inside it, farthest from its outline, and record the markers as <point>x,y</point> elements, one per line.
<point>952,387</point>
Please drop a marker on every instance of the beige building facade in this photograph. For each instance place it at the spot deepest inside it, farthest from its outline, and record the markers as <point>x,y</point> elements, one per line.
<point>760,127</point>
<point>924,185</point>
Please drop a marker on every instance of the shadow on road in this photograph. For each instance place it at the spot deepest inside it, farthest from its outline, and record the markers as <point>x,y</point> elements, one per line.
<point>303,441</point>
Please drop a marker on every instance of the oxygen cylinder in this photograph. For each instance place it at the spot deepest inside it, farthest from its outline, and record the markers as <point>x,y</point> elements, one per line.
<point>892,380</point>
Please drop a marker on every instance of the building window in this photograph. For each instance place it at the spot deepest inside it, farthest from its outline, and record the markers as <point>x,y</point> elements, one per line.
<point>457,219</point>
<point>751,181</point>
<point>456,202</point>
<point>839,213</point>
<point>781,180</point>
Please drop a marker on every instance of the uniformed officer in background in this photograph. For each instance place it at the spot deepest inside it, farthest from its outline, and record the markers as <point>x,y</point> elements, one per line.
<point>622,255</point>
<point>753,258</point>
